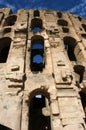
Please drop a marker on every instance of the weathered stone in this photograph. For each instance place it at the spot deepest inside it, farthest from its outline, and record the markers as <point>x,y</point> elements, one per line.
<point>54,108</point>
<point>74,127</point>
<point>68,121</point>
<point>42,73</point>
<point>69,108</point>
<point>66,92</point>
<point>15,68</point>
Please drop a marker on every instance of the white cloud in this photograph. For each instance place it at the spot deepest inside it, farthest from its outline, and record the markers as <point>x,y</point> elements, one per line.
<point>11,6</point>
<point>79,9</point>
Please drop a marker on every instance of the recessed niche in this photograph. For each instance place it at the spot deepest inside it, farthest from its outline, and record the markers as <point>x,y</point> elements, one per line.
<point>65,30</point>
<point>59,14</point>
<point>36,13</point>
<point>36,25</point>
<point>62,22</point>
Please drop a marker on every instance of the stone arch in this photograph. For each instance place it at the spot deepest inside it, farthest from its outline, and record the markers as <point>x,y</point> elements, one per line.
<point>79,70</point>
<point>10,20</point>
<point>62,22</point>
<point>2,127</point>
<point>4,48</point>
<point>69,45</point>
<point>37,53</point>
<point>36,13</point>
<point>36,25</point>
<point>84,26</point>
<point>39,104</point>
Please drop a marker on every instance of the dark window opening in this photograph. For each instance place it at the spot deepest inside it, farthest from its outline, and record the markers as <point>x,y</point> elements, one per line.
<point>84,26</point>
<point>9,21</point>
<point>7,30</point>
<point>37,120</point>
<point>36,25</point>
<point>69,45</point>
<point>37,53</point>
<point>65,30</point>
<point>83,100</point>
<point>62,22</point>
<point>4,49</point>
<point>80,19</point>
<point>2,127</point>
<point>79,70</point>
<point>59,14</point>
<point>83,35</point>
<point>36,13</point>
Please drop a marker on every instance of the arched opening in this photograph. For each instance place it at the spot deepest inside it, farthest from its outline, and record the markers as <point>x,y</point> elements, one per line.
<point>4,49</point>
<point>83,100</point>
<point>59,14</point>
<point>84,26</point>
<point>2,127</point>
<point>38,118</point>
<point>36,13</point>
<point>69,45</point>
<point>37,53</point>
<point>62,22</point>
<point>36,25</point>
<point>79,72</point>
<point>10,21</point>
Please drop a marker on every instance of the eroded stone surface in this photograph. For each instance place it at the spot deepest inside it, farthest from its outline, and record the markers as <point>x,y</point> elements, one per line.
<point>48,92</point>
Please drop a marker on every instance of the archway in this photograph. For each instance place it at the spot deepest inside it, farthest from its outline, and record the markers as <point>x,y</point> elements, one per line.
<point>4,49</point>
<point>69,45</point>
<point>37,119</point>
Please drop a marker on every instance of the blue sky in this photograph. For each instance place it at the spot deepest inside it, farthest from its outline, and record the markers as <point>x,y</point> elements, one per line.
<point>74,6</point>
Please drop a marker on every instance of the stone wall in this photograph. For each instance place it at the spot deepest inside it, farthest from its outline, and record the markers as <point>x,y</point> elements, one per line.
<point>42,70</point>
